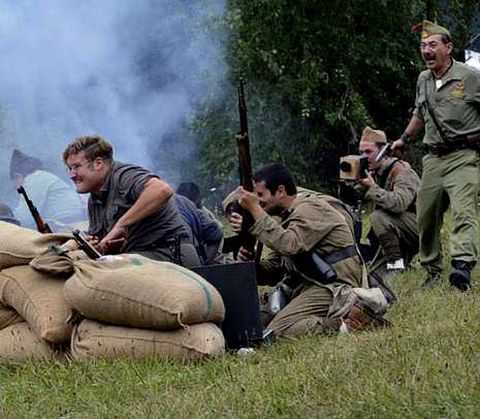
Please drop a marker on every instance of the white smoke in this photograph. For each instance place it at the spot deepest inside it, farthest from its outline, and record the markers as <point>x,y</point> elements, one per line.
<point>130,71</point>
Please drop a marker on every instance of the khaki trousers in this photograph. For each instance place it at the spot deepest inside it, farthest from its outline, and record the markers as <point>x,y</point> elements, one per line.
<point>304,314</point>
<point>452,180</point>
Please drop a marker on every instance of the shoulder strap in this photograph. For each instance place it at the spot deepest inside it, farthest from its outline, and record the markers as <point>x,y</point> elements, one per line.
<point>431,112</point>
<point>384,176</point>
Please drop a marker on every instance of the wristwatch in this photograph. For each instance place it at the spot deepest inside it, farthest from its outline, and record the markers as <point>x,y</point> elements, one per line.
<point>406,138</point>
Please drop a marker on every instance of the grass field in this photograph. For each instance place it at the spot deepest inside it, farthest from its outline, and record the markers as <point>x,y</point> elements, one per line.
<point>426,365</point>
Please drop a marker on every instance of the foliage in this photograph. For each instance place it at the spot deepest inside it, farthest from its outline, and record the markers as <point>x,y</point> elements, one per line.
<point>317,73</point>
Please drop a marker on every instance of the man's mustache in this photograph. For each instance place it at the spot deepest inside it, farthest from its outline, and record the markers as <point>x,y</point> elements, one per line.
<point>429,56</point>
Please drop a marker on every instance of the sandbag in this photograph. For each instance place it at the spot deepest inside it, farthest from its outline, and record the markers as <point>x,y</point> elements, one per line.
<point>20,245</point>
<point>8,316</point>
<point>91,339</point>
<point>39,299</point>
<point>19,343</point>
<point>131,290</point>
<point>55,264</point>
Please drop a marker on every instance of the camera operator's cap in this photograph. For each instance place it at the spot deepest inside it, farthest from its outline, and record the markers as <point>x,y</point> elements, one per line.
<point>373,136</point>
<point>429,28</point>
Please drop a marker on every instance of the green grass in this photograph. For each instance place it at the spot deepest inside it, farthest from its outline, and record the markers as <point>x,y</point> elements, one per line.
<point>426,365</point>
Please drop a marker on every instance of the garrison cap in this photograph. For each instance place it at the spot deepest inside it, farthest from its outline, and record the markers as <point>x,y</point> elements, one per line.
<point>373,136</point>
<point>229,200</point>
<point>430,28</point>
<point>22,163</point>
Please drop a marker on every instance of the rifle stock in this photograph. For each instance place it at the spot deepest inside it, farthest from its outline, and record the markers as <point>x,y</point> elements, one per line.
<point>42,227</point>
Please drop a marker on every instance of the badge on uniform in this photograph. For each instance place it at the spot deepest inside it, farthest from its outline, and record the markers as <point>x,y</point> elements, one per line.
<point>458,91</point>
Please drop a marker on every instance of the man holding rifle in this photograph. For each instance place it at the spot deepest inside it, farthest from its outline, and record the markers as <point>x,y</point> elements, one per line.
<point>313,259</point>
<point>447,107</point>
<point>129,208</point>
<point>391,185</point>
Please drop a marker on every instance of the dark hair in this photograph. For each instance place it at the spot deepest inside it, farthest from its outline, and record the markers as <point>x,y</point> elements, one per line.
<point>92,146</point>
<point>6,214</point>
<point>446,38</point>
<point>192,191</point>
<point>274,175</point>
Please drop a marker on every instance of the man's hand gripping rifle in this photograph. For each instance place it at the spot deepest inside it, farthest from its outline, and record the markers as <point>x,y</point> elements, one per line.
<point>85,245</point>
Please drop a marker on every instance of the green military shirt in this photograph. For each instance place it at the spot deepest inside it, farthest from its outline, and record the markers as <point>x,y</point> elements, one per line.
<point>456,104</point>
<point>397,191</point>
<point>311,223</point>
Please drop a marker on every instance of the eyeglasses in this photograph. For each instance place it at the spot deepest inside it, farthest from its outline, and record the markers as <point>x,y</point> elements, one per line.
<point>75,167</point>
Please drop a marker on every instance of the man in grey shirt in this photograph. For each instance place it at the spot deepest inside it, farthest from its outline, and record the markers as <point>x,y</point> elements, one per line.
<point>129,208</point>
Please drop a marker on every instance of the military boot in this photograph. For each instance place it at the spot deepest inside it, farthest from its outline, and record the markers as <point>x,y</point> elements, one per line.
<point>434,276</point>
<point>391,249</point>
<point>460,275</point>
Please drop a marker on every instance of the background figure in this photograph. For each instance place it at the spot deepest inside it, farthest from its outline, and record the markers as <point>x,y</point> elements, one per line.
<point>56,201</point>
<point>129,208</point>
<point>6,215</point>
<point>205,232</point>
<point>211,234</point>
<point>391,185</point>
<point>447,107</point>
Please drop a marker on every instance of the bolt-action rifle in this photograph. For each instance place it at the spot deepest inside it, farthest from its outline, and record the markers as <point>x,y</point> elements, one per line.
<point>85,245</point>
<point>247,241</point>
<point>42,226</point>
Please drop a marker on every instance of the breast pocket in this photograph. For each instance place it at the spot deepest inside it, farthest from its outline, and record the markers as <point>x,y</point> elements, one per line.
<point>453,110</point>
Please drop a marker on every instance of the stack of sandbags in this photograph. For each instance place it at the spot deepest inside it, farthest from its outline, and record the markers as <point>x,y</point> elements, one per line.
<point>139,307</point>
<point>18,246</point>
<point>33,310</point>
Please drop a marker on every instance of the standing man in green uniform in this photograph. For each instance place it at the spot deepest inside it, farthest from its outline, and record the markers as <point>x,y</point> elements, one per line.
<point>447,106</point>
<point>391,185</point>
<point>308,226</point>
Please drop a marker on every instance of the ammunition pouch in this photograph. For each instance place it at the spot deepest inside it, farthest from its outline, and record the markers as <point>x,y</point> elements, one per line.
<point>319,268</point>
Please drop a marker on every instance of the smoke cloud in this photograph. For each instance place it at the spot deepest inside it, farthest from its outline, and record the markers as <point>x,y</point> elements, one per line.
<point>131,71</point>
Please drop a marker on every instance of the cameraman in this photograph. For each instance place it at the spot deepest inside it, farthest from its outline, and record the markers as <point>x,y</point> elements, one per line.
<point>392,185</point>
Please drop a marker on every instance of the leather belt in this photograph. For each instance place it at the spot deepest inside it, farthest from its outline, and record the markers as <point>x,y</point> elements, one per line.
<point>444,149</point>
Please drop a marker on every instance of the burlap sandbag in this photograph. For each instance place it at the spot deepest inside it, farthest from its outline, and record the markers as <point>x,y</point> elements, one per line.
<point>131,290</point>
<point>39,299</point>
<point>20,245</point>
<point>19,343</point>
<point>8,316</point>
<point>59,264</point>
<point>92,340</point>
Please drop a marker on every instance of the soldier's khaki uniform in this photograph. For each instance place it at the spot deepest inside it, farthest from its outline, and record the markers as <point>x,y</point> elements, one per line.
<point>451,172</point>
<point>311,223</point>
<point>393,220</point>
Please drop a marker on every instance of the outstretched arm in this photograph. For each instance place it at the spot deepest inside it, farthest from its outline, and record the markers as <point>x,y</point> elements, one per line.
<point>154,196</point>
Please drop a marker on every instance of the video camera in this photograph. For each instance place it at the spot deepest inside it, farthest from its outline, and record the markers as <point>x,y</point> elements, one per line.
<point>353,167</point>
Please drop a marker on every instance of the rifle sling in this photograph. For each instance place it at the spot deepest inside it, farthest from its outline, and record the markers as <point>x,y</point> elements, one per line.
<point>431,112</point>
